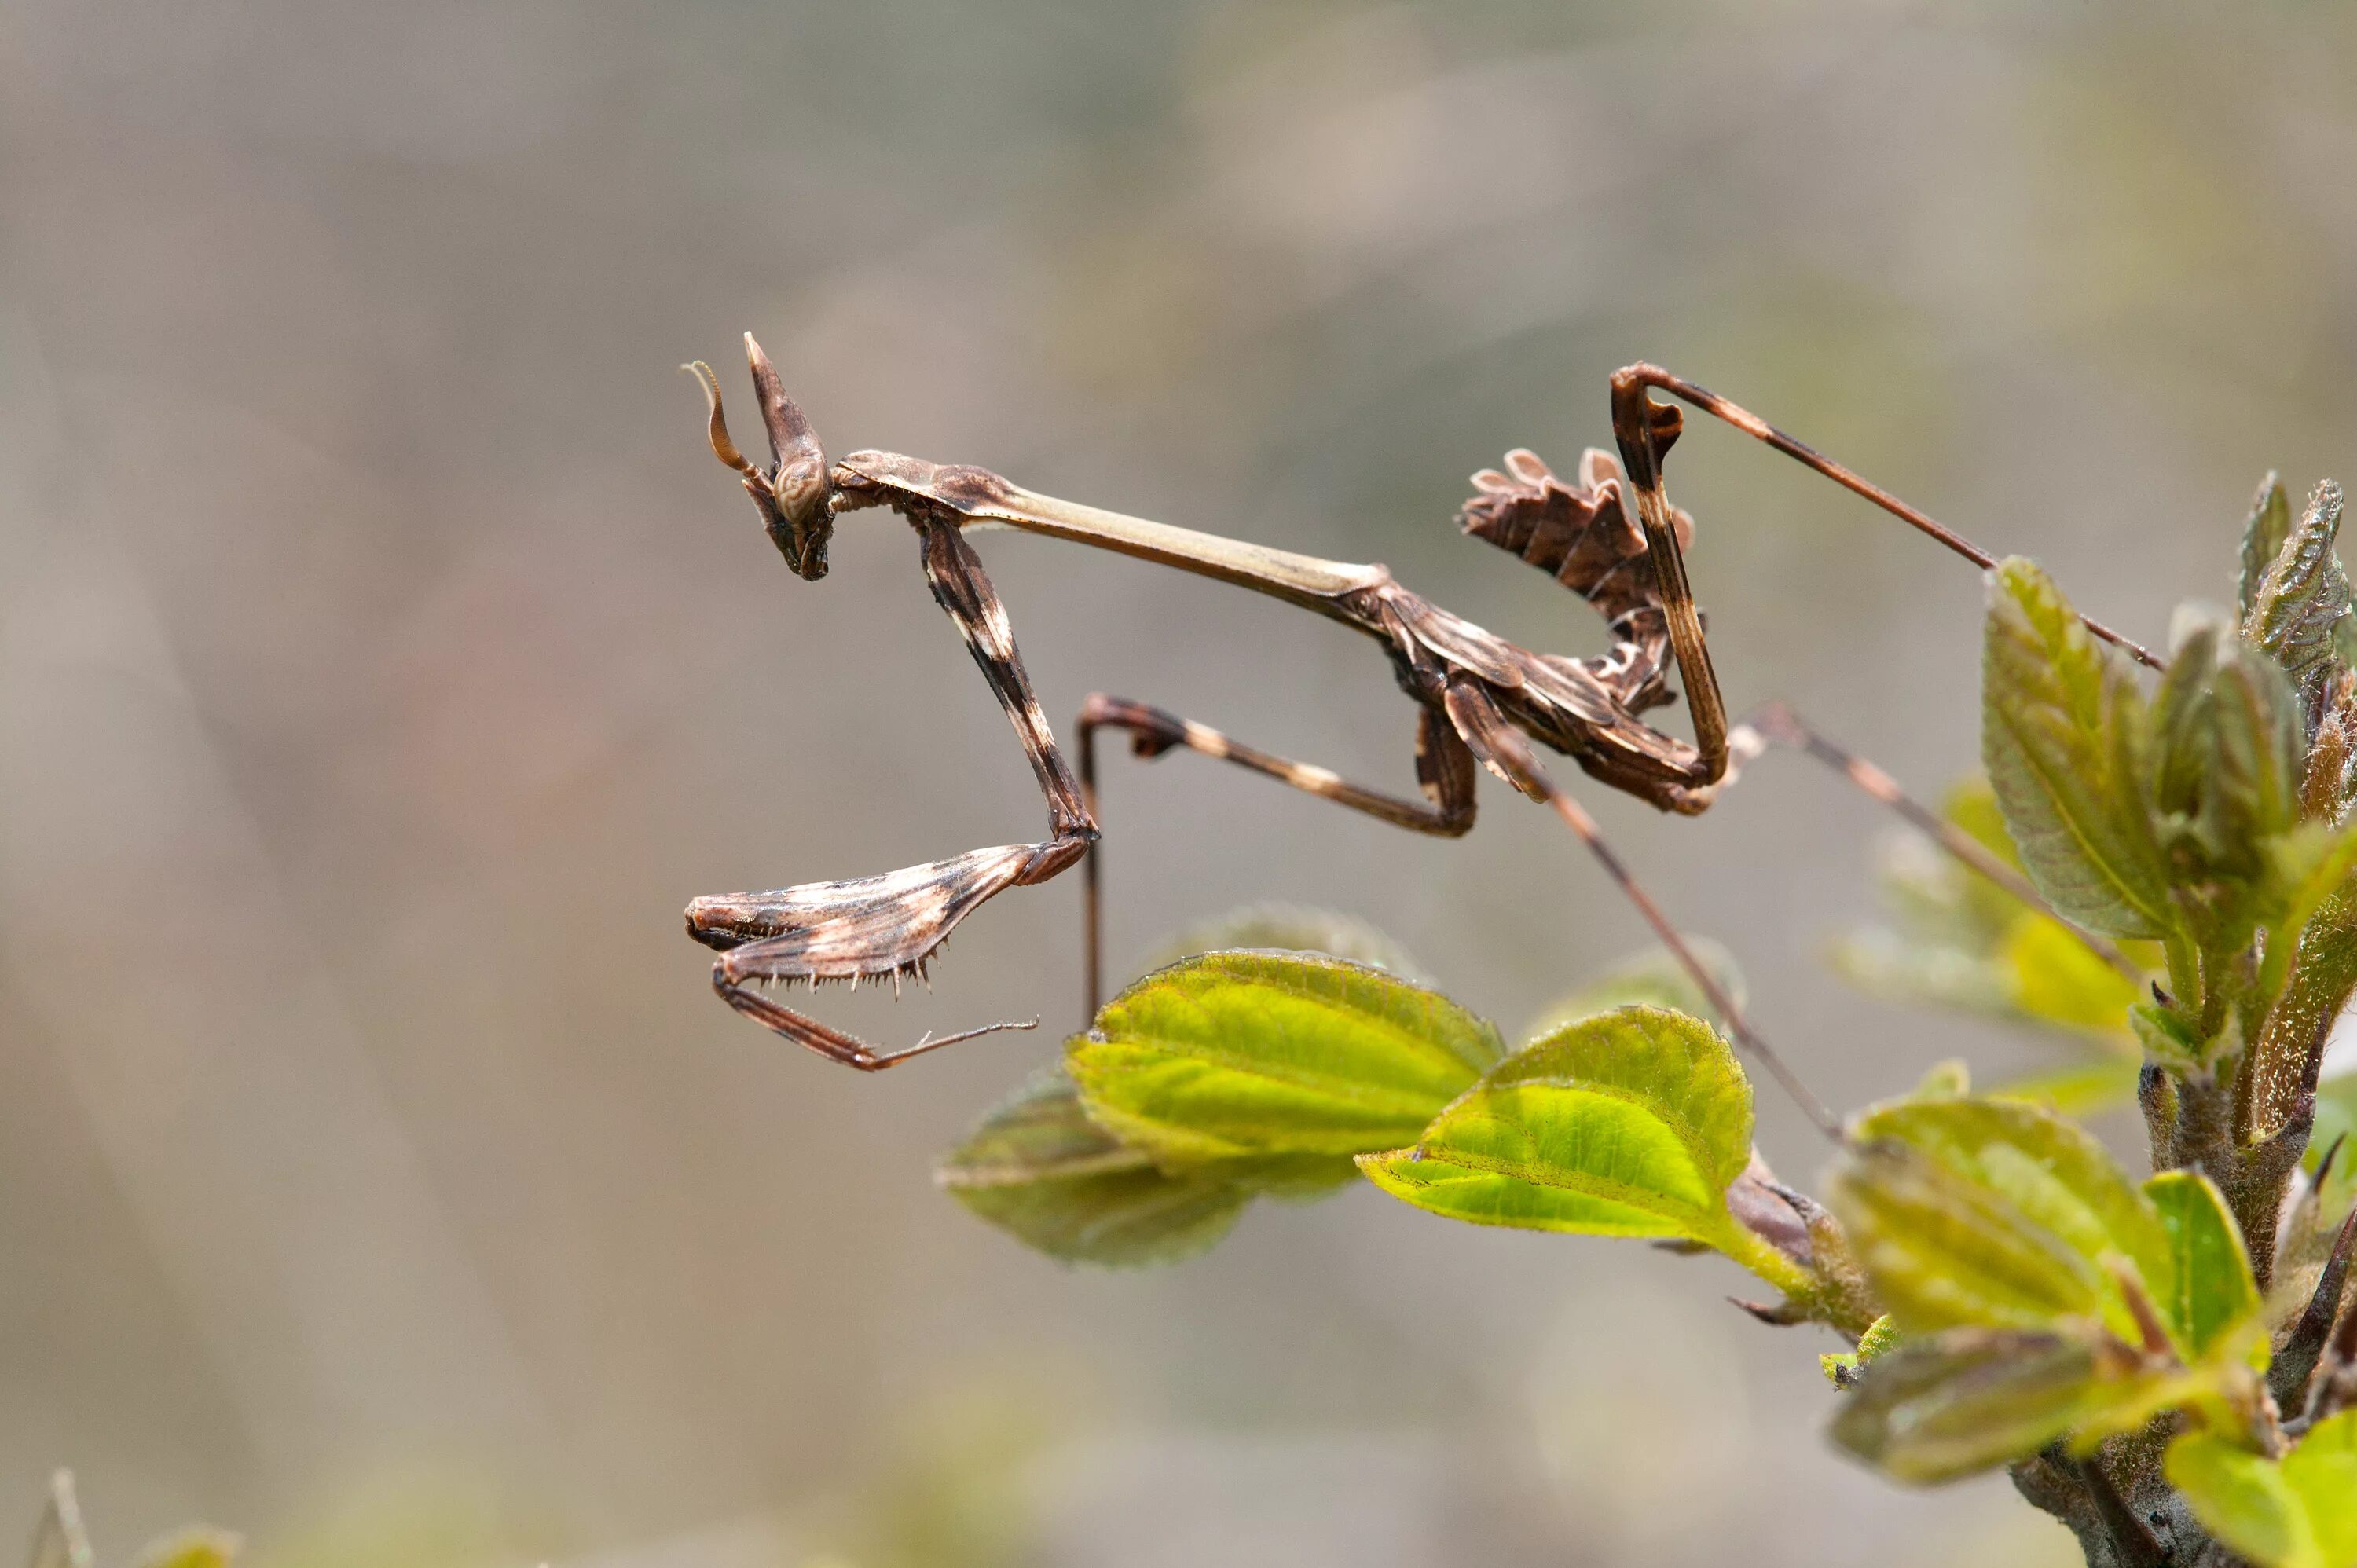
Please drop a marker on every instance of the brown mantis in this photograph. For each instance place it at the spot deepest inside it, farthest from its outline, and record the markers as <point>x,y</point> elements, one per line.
<point>1480,699</point>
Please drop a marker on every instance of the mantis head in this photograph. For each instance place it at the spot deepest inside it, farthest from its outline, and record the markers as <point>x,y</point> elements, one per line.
<point>796,493</point>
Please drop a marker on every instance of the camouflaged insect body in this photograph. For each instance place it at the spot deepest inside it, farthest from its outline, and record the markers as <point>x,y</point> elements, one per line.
<point>1583,536</point>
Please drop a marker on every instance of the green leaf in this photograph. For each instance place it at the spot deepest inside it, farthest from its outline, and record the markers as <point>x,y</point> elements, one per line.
<point>2300,1513</point>
<point>2255,775</point>
<point>1651,977</point>
<point>2035,972</point>
<point>2165,1038</point>
<point>2310,864</point>
<point>1995,1213</point>
<point>1293,928</point>
<point>1632,1123</point>
<point>1275,1068</point>
<point>1972,1399</point>
<point>2244,1500</point>
<point>2059,979</point>
<point>2229,759</point>
<point>2263,540</point>
<point>2209,1288</point>
<point>2064,737</point>
<point>1841,1369</point>
<point>1039,1168</point>
<point>2305,594</point>
<point>1942,1251</point>
<point>2323,1471</point>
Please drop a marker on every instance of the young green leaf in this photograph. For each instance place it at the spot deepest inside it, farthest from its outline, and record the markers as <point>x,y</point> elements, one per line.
<point>2229,751</point>
<point>1275,1068</point>
<point>1997,1213</point>
<point>2244,1500</point>
<point>1039,1168</point>
<point>2034,972</point>
<point>2300,1513</point>
<point>2305,594</point>
<point>1651,977</point>
<point>2057,981</point>
<point>2064,738</point>
<point>2263,540</point>
<point>2309,865</point>
<point>2209,1287</point>
<point>1942,1251</point>
<point>2052,1170</point>
<point>2323,1471</point>
<point>1971,1399</point>
<point>1841,1369</point>
<point>1629,1123</point>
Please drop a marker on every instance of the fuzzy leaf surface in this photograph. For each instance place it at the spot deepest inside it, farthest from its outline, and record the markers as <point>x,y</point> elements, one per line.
<point>2064,739</point>
<point>2229,761</point>
<point>1972,1399</point>
<point>2312,864</point>
<point>1037,1167</point>
<point>2209,1287</point>
<point>1998,1213</point>
<point>1275,1066</point>
<point>1841,1368</point>
<point>2264,534</point>
<point>2305,594</point>
<point>1629,1123</point>
<point>2300,1513</point>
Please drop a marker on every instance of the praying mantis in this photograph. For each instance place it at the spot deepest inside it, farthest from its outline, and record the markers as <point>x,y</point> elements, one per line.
<point>1482,700</point>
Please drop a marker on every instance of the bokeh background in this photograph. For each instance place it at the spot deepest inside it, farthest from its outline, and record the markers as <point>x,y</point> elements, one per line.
<point>384,662</point>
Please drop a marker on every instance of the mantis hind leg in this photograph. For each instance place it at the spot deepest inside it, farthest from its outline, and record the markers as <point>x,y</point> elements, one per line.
<point>1443,766</point>
<point>1644,431</point>
<point>1505,751</point>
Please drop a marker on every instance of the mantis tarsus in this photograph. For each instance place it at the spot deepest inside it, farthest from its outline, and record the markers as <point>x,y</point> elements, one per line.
<point>1480,699</point>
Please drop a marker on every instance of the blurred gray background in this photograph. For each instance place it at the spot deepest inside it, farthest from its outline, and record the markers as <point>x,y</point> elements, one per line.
<point>384,662</point>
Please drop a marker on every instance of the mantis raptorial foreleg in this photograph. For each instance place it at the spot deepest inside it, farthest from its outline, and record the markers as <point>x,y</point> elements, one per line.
<point>884,927</point>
